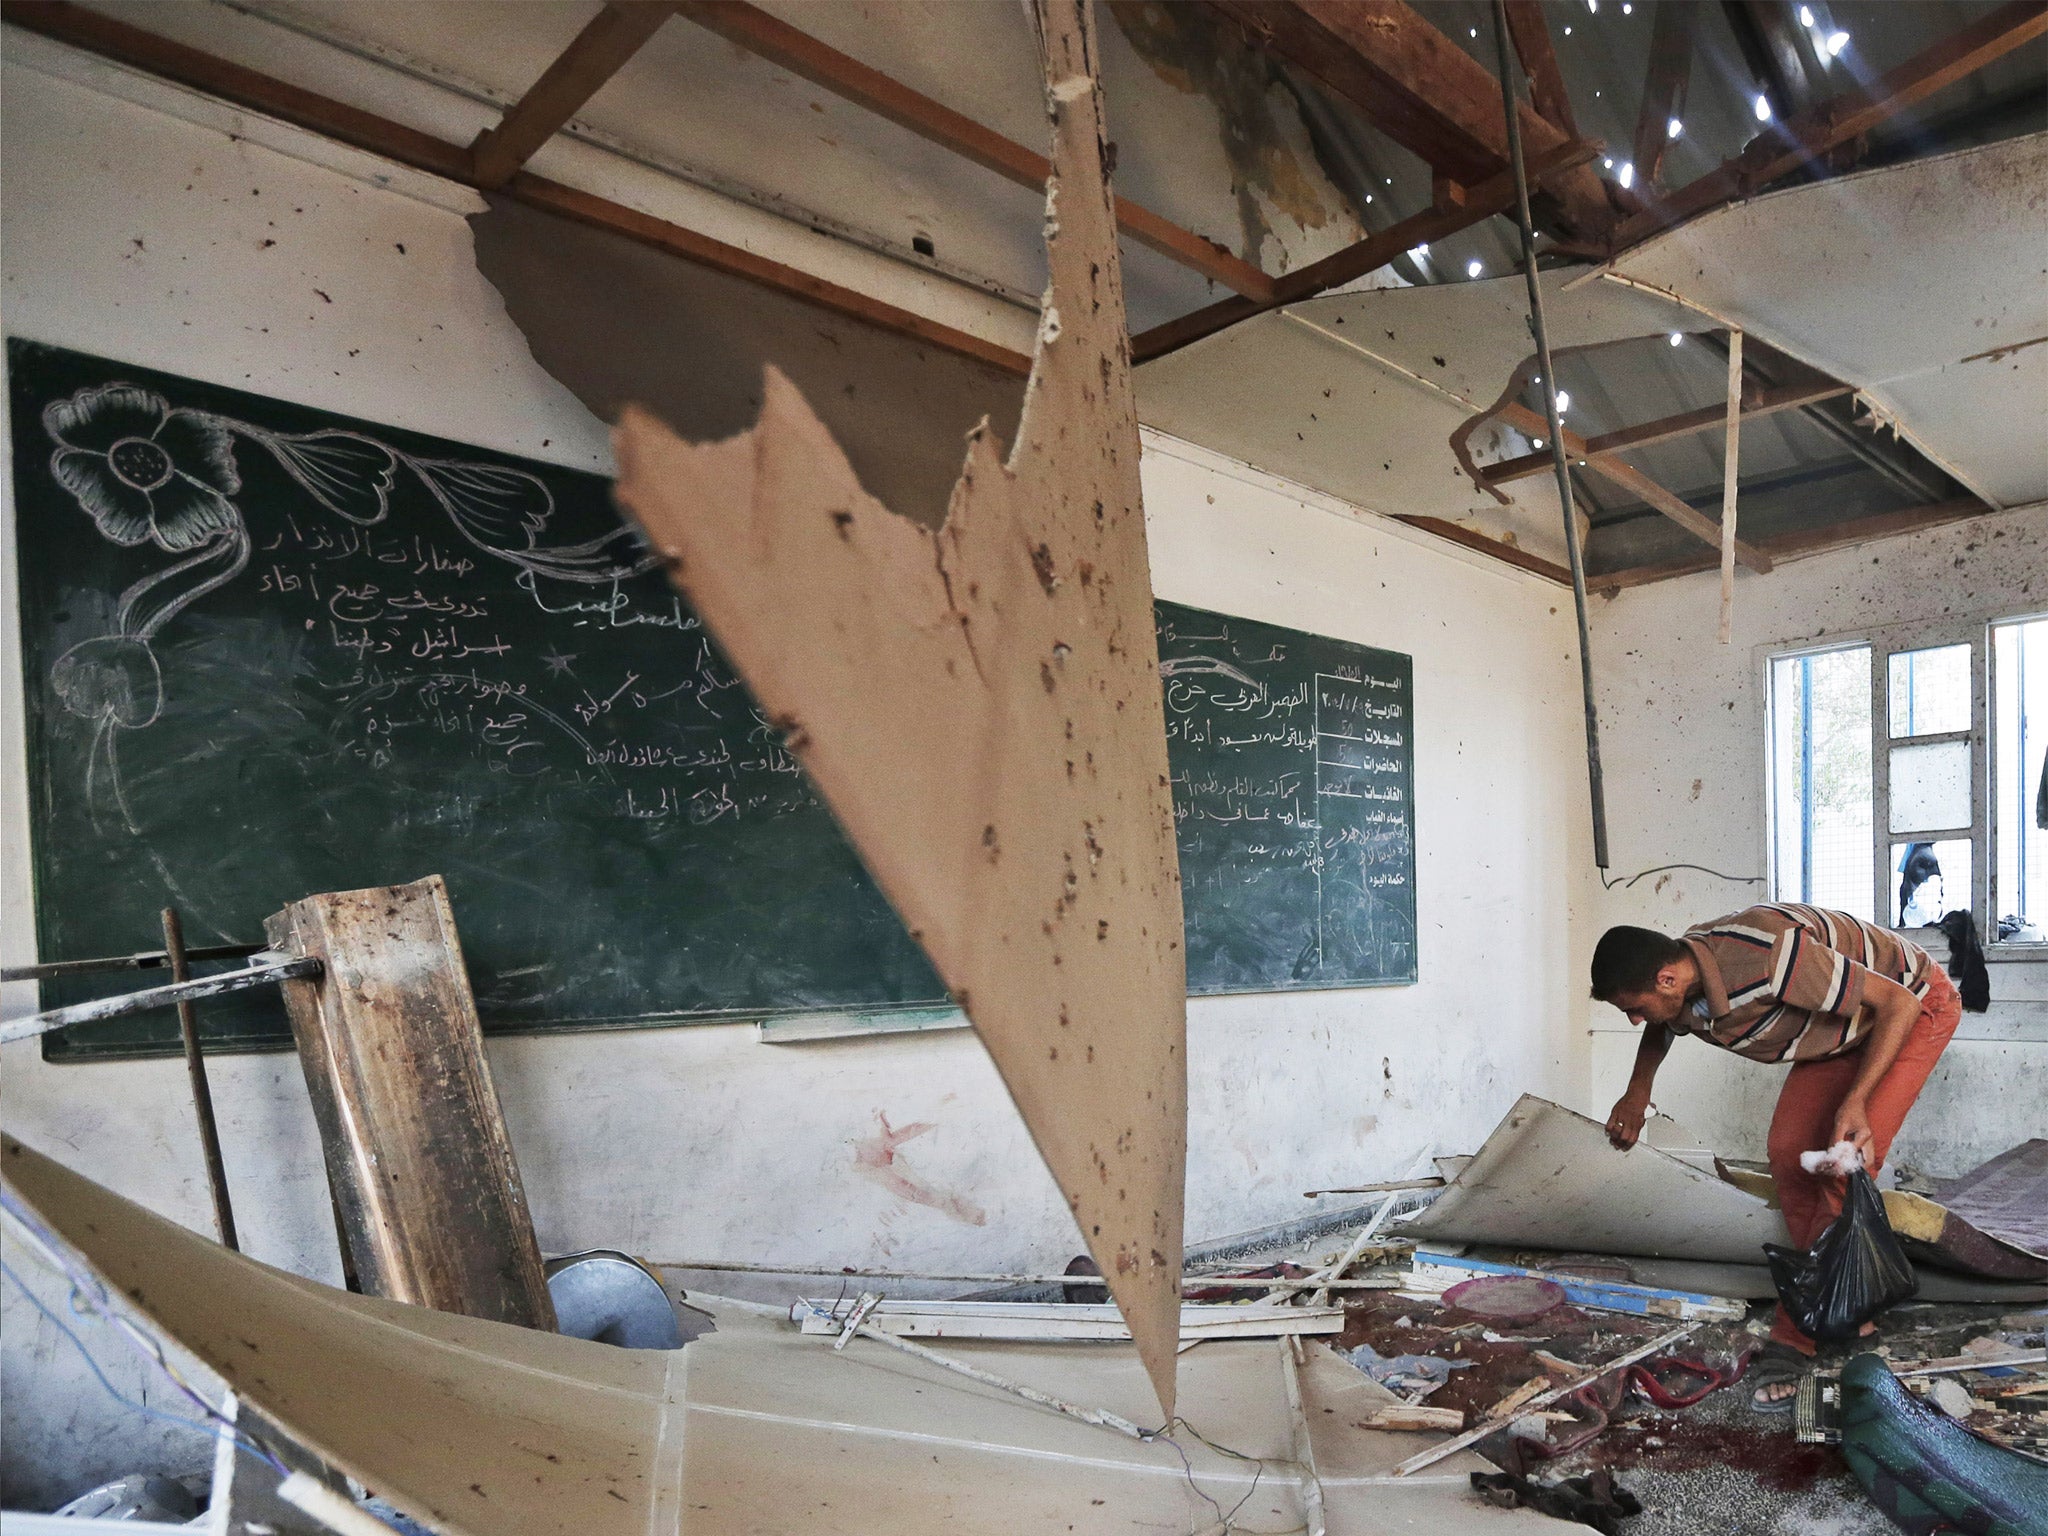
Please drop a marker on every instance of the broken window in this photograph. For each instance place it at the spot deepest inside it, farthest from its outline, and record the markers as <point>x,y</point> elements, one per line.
<point>1820,779</point>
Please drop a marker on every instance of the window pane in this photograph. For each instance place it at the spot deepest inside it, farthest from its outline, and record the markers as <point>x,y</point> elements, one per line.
<point>1931,787</point>
<point>2019,733</point>
<point>1933,878</point>
<point>1820,780</point>
<point>1930,691</point>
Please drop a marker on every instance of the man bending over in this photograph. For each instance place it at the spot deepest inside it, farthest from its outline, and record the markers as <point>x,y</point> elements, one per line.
<point>1859,1014</point>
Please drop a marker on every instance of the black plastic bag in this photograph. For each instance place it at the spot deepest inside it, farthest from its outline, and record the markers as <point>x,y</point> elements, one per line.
<point>1854,1270</point>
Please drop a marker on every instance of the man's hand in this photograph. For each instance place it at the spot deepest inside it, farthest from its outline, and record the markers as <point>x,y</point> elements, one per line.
<point>1625,1124</point>
<point>1852,1123</point>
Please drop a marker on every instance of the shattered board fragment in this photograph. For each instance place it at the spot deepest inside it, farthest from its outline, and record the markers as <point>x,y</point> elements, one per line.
<point>1548,1178</point>
<point>980,708</point>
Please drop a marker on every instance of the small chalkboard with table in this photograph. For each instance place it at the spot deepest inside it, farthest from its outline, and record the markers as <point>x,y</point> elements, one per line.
<point>271,651</point>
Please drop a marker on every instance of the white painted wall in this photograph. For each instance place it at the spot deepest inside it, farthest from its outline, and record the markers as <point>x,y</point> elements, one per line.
<point>143,236</point>
<point>1682,721</point>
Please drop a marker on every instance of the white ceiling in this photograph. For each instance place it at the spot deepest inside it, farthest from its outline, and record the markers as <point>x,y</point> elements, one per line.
<point>1925,285</point>
<point>1357,394</point>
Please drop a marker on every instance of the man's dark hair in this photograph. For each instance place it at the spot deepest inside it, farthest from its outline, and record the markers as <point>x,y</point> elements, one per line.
<point>1628,960</point>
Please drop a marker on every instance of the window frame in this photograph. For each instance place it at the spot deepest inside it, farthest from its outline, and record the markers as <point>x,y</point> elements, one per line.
<point>1993,947</point>
<point>1883,642</point>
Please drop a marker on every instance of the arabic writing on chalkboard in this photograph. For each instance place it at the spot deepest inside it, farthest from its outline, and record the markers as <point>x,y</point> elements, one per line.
<point>272,651</point>
<point>1292,777</point>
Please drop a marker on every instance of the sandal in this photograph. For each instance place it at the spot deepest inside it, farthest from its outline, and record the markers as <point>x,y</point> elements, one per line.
<point>1776,1365</point>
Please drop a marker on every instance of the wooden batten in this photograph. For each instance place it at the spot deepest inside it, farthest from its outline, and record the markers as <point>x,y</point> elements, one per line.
<point>981,709</point>
<point>422,1171</point>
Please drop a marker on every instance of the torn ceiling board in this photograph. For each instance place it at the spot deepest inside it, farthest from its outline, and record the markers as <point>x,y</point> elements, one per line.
<point>1549,1178</point>
<point>1993,1230</point>
<point>615,320</point>
<point>980,708</point>
<point>1235,168</point>
<point>485,1429</point>
<point>1919,283</point>
<point>1357,394</point>
<point>2006,1197</point>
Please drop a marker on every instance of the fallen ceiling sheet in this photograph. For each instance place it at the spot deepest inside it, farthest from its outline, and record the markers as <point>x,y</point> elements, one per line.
<point>2010,1191</point>
<point>1918,283</point>
<point>2006,1198</point>
<point>1549,1178</point>
<point>1752,1282</point>
<point>615,320</point>
<point>1357,394</point>
<point>980,708</point>
<point>485,1429</point>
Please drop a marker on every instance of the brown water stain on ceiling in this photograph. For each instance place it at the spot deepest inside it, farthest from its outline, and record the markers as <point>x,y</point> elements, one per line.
<point>1197,52</point>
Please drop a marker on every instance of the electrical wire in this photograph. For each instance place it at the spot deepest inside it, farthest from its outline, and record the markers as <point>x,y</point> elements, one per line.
<point>242,1442</point>
<point>89,1298</point>
<point>1225,1521</point>
<point>1626,881</point>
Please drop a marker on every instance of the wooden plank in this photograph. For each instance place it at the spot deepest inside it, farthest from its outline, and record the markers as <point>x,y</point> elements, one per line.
<point>1471,538</point>
<point>139,49</point>
<point>602,213</point>
<point>1785,147</point>
<point>1613,470</point>
<point>1410,81</point>
<point>754,29</point>
<point>144,50</point>
<point>1496,1420</point>
<point>980,708</point>
<point>1766,402</point>
<point>1768,34</point>
<point>599,51</point>
<point>1805,542</point>
<point>1060,1320</point>
<point>1418,87</point>
<point>1492,196</point>
<point>1664,89</point>
<point>1538,54</point>
<point>1731,482</point>
<point>1414,1416</point>
<point>409,1121</point>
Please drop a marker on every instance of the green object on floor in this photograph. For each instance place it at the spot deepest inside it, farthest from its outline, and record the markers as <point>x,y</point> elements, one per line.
<point>1926,1471</point>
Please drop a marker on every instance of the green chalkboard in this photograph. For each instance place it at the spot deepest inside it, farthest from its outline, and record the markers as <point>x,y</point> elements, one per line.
<point>269,650</point>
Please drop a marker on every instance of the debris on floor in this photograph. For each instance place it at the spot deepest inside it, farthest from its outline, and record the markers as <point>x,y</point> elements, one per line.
<point>1444,1392</point>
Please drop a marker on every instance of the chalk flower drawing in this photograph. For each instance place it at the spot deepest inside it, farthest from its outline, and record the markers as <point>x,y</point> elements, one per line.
<point>147,472</point>
<point>142,470</point>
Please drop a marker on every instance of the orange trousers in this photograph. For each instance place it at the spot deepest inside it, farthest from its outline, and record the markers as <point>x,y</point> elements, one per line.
<point>1805,1120</point>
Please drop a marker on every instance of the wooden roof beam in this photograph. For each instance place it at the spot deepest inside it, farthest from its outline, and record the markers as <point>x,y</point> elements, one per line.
<point>1806,541</point>
<point>1494,195</point>
<point>154,54</point>
<point>1418,87</point>
<point>1757,405</point>
<point>1664,87</point>
<point>1412,83</point>
<point>1533,46</point>
<point>1615,472</point>
<point>1783,148</point>
<point>600,51</point>
<point>768,37</point>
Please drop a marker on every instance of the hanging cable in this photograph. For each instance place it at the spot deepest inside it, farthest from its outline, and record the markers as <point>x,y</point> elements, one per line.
<point>1511,102</point>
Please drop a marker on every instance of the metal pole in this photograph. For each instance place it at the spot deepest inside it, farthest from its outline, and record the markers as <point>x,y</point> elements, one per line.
<point>202,1093</point>
<point>156,997</point>
<point>148,960</point>
<point>1595,782</point>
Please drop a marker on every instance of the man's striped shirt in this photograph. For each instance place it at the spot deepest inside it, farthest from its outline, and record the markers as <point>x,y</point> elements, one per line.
<point>1782,982</point>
